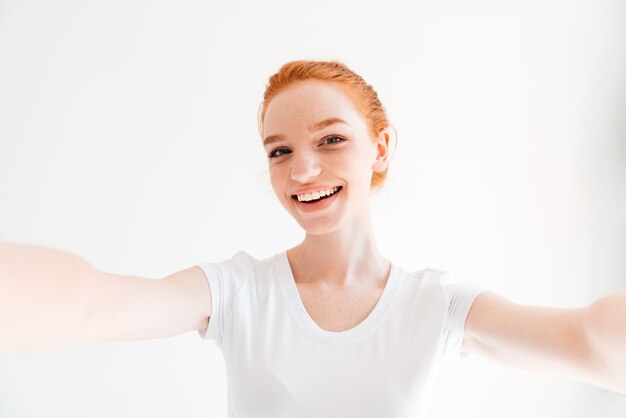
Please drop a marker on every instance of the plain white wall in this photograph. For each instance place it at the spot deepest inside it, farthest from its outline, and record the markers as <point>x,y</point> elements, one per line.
<point>128,136</point>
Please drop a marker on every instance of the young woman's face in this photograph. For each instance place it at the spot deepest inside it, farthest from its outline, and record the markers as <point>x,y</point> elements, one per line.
<point>321,154</point>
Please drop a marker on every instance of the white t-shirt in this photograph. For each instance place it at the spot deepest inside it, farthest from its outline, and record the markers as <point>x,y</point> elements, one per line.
<point>280,363</point>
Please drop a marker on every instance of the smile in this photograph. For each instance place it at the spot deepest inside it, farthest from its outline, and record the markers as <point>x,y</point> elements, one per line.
<point>318,195</point>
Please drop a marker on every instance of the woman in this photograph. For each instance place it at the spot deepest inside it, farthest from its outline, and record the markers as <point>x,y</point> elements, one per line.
<point>329,327</point>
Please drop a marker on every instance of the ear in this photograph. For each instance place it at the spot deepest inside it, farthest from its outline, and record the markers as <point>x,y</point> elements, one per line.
<point>382,151</point>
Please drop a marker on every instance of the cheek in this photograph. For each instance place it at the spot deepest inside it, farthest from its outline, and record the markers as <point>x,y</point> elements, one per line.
<point>359,164</point>
<point>274,181</point>
<point>277,180</point>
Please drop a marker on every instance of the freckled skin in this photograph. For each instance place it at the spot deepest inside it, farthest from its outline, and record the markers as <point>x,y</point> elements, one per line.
<point>349,164</point>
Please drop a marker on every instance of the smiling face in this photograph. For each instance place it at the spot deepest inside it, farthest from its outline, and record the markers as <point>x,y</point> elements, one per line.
<point>321,154</point>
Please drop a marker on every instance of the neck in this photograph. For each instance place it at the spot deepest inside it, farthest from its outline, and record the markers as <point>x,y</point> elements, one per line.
<point>345,257</point>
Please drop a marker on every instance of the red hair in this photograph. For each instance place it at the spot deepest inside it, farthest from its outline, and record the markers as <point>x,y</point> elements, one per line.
<point>333,71</point>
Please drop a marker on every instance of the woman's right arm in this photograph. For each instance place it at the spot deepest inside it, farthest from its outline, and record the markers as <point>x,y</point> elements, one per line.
<point>51,298</point>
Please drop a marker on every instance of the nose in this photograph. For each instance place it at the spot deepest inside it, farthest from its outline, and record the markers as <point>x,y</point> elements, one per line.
<point>304,166</point>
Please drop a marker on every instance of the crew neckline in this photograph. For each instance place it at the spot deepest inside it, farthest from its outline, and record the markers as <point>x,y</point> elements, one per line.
<point>304,321</point>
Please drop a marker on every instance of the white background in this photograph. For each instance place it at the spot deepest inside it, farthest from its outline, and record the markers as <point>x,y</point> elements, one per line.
<point>128,136</point>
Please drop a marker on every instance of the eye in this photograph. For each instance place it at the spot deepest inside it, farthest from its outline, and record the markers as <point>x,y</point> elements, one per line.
<point>331,140</point>
<point>277,152</point>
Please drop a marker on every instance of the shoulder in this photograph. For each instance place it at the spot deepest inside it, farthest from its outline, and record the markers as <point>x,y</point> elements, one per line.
<point>428,276</point>
<point>240,262</point>
<point>439,289</point>
<point>240,268</point>
<point>431,281</point>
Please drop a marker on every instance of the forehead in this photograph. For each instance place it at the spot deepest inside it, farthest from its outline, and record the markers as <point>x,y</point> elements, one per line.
<point>308,102</point>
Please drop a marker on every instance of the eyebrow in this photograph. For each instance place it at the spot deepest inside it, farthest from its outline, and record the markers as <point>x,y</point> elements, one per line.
<point>312,128</point>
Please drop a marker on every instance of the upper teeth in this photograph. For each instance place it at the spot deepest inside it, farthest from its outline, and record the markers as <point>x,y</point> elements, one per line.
<point>305,197</point>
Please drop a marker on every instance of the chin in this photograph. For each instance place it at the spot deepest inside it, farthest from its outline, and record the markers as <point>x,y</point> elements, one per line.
<point>320,227</point>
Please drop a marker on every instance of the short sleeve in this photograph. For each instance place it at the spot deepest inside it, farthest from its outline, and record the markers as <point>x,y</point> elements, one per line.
<point>225,279</point>
<point>460,297</point>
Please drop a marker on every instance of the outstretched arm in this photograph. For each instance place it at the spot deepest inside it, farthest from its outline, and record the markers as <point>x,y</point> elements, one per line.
<point>51,298</point>
<point>587,344</point>
<point>605,326</point>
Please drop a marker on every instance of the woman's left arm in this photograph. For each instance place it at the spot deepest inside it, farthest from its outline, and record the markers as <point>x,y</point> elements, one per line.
<point>587,344</point>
